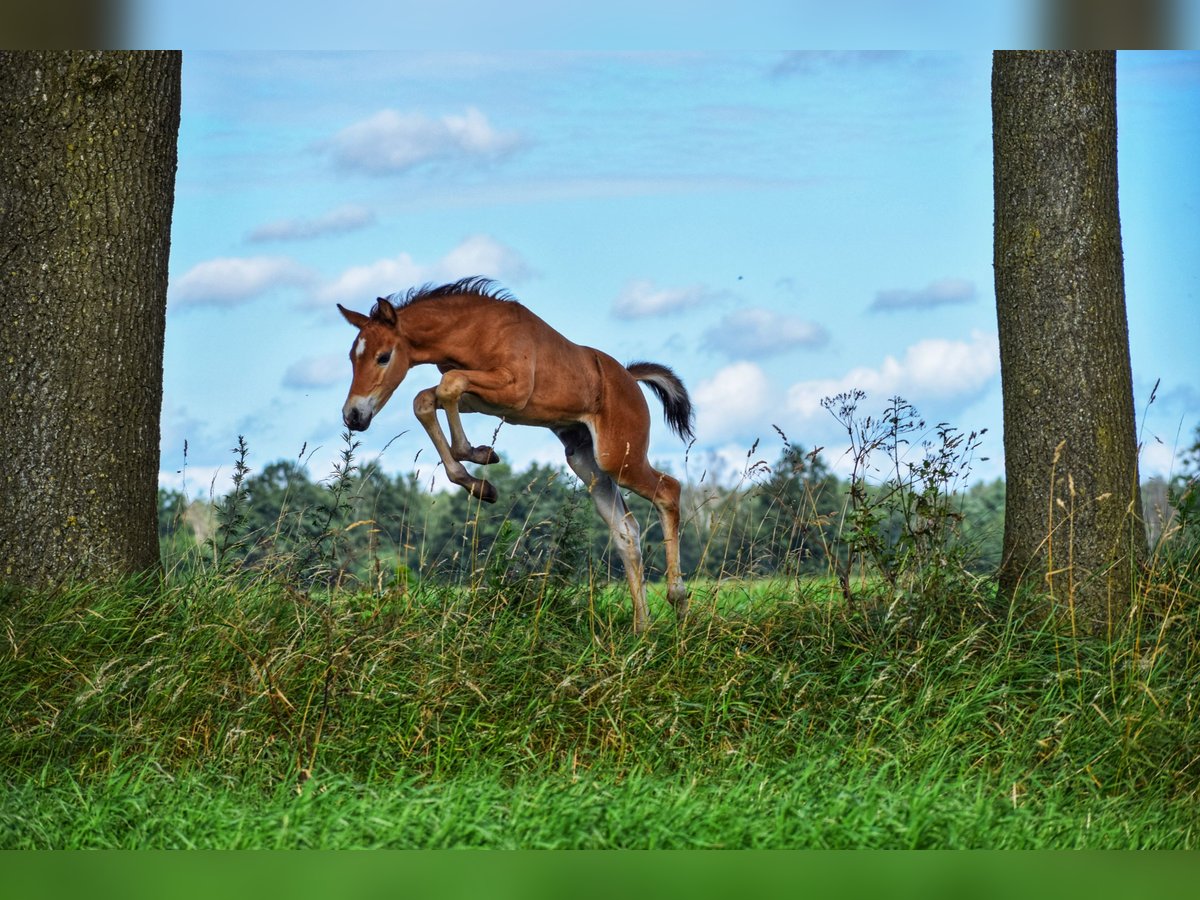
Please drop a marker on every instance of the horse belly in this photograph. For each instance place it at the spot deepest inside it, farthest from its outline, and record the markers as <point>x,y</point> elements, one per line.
<point>531,415</point>
<point>470,403</point>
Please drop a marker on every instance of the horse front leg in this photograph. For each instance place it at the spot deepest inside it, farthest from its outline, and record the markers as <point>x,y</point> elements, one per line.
<point>460,447</point>
<point>425,406</point>
<point>498,390</point>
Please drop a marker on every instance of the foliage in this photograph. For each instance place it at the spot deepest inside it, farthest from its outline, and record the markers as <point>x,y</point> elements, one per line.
<point>906,524</point>
<point>230,511</point>
<point>1184,497</point>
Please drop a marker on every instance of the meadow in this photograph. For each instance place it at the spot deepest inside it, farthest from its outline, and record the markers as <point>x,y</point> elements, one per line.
<point>246,701</point>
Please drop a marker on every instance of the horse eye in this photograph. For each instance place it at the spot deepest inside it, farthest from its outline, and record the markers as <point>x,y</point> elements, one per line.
<point>384,358</point>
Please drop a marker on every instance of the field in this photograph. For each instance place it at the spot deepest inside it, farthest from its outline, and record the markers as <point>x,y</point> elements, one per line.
<point>364,664</point>
<point>236,711</point>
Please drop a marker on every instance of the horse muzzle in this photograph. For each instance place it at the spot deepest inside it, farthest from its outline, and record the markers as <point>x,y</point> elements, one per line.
<point>358,412</point>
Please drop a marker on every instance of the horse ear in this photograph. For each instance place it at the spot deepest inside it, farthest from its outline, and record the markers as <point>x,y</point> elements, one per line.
<point>357,319</point>
<point>384,312</point>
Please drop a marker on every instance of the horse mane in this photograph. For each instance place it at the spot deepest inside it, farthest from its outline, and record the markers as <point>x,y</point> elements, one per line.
<point>474,286</point>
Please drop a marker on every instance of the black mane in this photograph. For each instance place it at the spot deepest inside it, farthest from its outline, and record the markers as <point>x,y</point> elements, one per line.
<point>475,286</point>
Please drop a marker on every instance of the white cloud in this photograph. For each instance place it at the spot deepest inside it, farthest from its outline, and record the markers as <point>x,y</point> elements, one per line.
<point>728,465</point>
<point>937,293</point>
<point>198,482</point>
<point>349,217</point>
<point>733,399</point>
<point>1156,458</point>
<point>318,372</point>
<point>930,370</point>
<point>231,281</point>
<point>810,62</point>
<point>375,279</point>
<point>761,332</point>
<point>641,299</point>
<point>479,254</point>
<point>482,254</point>
<point>391,142</point>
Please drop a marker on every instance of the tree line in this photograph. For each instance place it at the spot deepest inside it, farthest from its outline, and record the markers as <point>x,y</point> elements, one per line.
<point>792,517</point>
<point>788,518</point>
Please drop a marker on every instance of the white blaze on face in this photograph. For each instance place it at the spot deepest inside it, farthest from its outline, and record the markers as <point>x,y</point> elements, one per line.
<point>360,347</point>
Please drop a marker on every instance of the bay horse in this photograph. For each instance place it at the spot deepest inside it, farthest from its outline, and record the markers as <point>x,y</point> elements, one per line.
<point>498,358</point>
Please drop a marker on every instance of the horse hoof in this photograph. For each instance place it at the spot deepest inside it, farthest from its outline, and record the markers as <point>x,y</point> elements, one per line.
<point>678,597</point>
<point>485,456</point>
<point>485,491</point>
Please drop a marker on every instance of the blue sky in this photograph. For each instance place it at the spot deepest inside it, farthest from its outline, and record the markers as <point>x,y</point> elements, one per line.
<point>776,226</point>
<point>626,24</point>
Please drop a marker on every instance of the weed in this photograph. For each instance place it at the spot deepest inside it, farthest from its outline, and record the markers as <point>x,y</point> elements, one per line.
<point>231,509</point>
<point>905,523</point>
<point>322,556</point>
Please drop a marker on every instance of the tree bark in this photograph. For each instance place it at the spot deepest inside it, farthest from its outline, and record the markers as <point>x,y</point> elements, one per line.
<point>1073,527</point>
<point>87,179</point>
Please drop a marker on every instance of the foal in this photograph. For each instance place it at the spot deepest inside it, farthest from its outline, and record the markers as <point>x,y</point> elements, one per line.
<point>498,358</point>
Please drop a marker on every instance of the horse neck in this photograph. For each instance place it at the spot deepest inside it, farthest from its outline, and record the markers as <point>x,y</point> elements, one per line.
<point>424,325</point>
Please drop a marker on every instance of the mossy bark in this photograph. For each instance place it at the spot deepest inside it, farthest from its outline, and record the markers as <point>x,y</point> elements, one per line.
<point>1072,518</point>
<point>87,179</point>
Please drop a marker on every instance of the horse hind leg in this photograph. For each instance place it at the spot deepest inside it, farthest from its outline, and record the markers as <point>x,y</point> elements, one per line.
<point>665,497</point>
<point>622,526</point>
<point>627,537</point>
<point>632,470</point>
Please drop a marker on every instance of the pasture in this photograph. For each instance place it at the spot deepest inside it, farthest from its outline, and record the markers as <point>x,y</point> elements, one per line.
<point>222,713</point>
<point>322,681</point>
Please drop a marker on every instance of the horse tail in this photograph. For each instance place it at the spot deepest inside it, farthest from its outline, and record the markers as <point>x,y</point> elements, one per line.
<point>677,405</point>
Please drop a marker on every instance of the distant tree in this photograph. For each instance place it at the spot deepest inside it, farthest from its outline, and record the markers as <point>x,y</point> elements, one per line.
<point>1073,525</point>
<point>1189,459</point>
<point>795,514</point>
<point>983,524</point>
<point>176,535</point>
<point>282,514</point>
<point>1183,495</point>
<point>87,178</point>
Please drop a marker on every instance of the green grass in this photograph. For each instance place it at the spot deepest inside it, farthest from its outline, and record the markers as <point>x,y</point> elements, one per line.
<point>241,712</point>
<point>828,803</point>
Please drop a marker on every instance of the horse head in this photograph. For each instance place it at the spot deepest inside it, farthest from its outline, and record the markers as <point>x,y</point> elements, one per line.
<point>380,359</point>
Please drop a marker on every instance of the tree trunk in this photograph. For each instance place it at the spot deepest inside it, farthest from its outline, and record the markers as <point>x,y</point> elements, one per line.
<point>1072,526</point>
<point>87,180</point>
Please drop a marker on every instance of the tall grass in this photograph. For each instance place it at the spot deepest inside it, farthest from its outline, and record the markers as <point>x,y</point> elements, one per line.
<point>234,707</point>
<point>848,728</point>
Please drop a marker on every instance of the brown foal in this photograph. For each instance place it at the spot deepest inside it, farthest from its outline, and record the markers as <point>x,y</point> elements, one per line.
<point>498,358</point>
